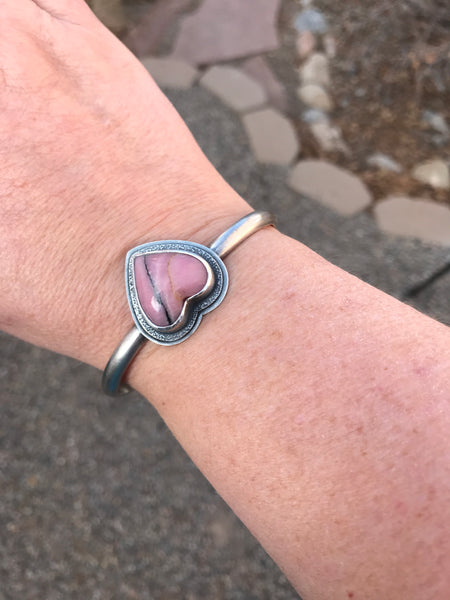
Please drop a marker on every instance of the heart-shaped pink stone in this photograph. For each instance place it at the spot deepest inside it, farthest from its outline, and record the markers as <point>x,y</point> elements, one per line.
<point>164,281</point>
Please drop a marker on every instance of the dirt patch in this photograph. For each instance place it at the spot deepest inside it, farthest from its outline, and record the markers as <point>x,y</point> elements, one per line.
<point>392,64</point>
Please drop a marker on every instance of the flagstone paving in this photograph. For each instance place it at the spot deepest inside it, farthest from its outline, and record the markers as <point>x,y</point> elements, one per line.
<point>232,40</point>
<point>221,31</point>
<point>170,72</point>
<point>236,89</point>
<point>426,220</point>
<point>271,136</point>
<point>258,68</point>
<point>332,186</point>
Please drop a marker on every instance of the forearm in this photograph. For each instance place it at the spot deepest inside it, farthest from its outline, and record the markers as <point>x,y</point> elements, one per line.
<point>316,405</point>
<point>318,408</point>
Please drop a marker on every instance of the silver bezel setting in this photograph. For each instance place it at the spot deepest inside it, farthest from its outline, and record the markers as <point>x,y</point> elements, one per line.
<point>194,308</point>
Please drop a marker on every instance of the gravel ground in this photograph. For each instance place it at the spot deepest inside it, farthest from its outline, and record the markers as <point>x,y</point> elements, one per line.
<point>98,500</point>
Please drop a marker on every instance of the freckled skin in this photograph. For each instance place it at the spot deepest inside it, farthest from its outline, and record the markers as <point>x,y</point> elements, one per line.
<point>363,370</point>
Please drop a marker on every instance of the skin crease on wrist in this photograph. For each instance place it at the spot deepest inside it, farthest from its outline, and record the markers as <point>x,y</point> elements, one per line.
<point>316,405</point>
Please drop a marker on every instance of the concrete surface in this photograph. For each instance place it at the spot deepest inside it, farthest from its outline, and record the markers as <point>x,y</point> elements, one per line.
<point>98,501</point>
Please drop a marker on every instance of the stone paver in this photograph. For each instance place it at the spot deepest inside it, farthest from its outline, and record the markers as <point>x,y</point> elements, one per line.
<point>272,136</point>
<point>146,37</point>
<point>236,89</point>
<point>433,172</point>
<point>171,72</point>
<point>414,217</point>
<point>315,96</point>
<point>332,186</point>
<point>220,31</point>
<point>258,68</point>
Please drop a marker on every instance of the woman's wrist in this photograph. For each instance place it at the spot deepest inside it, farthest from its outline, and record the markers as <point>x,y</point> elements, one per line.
<point>89,171</point>
<point>197,216</point>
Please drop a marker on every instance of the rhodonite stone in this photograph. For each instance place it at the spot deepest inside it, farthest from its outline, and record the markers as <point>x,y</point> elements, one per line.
<point>164,281</point>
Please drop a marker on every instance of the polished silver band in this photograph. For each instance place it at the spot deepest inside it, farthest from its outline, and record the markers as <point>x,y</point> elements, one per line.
<point>128,348</point>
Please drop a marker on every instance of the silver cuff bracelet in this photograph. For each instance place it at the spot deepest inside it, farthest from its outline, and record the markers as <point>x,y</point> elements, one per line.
<point>170,285</point>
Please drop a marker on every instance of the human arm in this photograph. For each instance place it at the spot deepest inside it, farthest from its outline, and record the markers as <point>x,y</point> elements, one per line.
<point>237,420</point>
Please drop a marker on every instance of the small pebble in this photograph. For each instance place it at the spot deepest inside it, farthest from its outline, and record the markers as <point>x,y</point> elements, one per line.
<point>315,97</point>
<point>329,44</point>
<point>434,173</point>
<point>315,70</point>
<point>313,115</point>
<point>439,140</point>
<point>329,137</point>
<point>306,43</point>
<point>384,162</point>
<point>311,20</point>
<point>436,122</point>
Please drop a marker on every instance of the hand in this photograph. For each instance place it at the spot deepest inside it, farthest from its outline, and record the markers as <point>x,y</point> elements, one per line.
<point>94,161</point>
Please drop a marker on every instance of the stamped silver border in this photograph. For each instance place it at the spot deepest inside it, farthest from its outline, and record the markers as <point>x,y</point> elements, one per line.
<point>193,310</point>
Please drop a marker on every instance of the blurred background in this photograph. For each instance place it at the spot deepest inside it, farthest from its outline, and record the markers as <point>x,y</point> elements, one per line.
<point>335,116</point>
